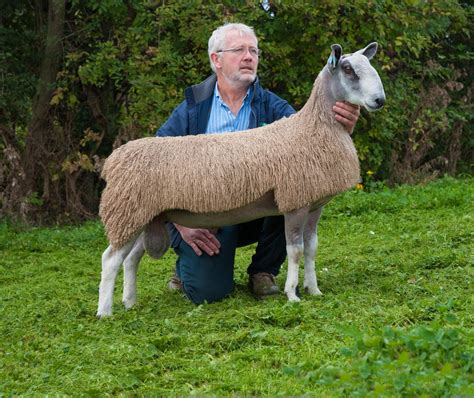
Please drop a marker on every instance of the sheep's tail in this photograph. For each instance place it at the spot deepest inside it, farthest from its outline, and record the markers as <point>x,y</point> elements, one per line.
<point>157,238</point>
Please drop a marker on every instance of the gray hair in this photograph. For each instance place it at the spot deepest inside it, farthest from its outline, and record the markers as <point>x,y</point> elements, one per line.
<point>217,41</point>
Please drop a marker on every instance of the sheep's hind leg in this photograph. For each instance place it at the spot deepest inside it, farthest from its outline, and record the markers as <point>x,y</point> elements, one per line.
<point>130,268</point>
<point>111,261</point>
<point>310,246</point>
<point>294,226</point>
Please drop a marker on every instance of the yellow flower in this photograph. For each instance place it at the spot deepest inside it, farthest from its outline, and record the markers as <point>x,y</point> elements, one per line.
<point>370,173</point>
<point>359,187</point>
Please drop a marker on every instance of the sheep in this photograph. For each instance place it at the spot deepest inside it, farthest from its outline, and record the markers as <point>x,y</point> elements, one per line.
<point>292,167</point>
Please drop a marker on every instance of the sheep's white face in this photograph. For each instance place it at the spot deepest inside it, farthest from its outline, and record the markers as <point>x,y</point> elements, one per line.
<point>355,80</point>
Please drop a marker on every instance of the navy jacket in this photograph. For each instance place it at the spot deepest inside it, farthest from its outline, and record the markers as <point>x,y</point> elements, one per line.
<point>192,115</point>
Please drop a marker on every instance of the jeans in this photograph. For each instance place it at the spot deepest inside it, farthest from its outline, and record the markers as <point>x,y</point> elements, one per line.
<point>211,278</point>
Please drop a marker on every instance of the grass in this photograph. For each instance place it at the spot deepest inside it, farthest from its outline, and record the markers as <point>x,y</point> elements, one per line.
<point>396,317</point>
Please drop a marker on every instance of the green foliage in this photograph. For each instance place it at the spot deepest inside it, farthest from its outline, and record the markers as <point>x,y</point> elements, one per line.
<point>126,65</point>
<point>164,49</point>
<point>421,361</point>
<point>396,317</point>
<point>18,57</point>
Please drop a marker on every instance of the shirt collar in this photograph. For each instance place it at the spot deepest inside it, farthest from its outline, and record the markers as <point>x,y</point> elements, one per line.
<point>217,95</point>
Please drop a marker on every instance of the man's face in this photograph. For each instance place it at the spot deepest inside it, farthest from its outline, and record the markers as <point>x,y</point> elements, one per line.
<point>238,67</point>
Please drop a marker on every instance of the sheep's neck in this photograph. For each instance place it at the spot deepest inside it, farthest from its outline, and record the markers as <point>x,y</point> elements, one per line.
<point>318,108</point>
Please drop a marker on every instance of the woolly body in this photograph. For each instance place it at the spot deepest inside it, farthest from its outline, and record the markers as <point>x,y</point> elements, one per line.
<point>301,160</point>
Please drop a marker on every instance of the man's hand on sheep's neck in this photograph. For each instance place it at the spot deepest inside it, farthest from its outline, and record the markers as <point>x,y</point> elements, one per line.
<point>200,239</point>
<point>347,114</point>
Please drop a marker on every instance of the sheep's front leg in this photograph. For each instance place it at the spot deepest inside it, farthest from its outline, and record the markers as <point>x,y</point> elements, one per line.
<point>310,246</point>
<point>130,269</point>
<point>294,227</point>
<point>111,261</point>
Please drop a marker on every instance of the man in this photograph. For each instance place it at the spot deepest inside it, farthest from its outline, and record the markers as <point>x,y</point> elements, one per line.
<point>231,100</point>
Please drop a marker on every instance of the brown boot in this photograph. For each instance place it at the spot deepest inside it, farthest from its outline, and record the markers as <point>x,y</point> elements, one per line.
<point>263,285</point>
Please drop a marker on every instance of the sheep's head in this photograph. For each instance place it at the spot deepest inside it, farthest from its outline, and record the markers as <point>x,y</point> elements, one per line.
<point>354,79</point>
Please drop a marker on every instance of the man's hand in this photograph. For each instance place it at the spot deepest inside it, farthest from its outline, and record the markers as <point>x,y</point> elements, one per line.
<point>200,239</point>
<point>347,114</point>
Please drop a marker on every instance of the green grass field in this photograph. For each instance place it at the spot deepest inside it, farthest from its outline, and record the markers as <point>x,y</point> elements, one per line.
<point>396,317</point>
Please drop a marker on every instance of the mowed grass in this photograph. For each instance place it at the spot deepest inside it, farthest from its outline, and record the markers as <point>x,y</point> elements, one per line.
<point>396,317</point>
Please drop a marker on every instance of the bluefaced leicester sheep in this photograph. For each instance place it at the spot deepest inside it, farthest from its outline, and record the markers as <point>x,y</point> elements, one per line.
<point>292,167</point>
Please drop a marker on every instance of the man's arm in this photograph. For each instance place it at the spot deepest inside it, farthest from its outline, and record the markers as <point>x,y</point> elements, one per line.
<point>277,108</point>
<point>177,124</point>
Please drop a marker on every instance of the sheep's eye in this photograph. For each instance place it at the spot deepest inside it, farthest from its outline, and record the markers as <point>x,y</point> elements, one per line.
<point>347,70</point>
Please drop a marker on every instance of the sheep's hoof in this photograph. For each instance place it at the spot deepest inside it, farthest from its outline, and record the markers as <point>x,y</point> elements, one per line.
<point>102,315</point>
<point>293,297</point>
<point>313,291</point>
<point>128,304</point>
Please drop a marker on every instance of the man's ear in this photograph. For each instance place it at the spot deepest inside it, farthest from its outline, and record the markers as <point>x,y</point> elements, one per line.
<point>216,60</point>
<point>336,52</point>
<point>370,50</point>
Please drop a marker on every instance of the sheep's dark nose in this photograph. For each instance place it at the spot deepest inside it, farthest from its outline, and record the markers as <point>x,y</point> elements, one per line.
<point>380,101</point>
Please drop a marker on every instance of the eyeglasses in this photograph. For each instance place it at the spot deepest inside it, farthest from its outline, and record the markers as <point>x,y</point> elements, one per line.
<point>254,52</point>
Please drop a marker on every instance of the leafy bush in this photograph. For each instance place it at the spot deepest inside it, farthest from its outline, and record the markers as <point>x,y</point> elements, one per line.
<point>425,69</point>
<point>126,64</point>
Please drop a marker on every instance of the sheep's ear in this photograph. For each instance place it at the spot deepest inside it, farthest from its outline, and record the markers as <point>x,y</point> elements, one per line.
<point>336,52</point>
<point>369,51</point>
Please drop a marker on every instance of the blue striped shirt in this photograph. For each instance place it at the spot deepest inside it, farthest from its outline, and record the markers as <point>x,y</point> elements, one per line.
<point>223,120</point>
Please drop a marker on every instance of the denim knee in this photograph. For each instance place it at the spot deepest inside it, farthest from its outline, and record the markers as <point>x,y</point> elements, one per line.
<point>208,278</point>
<point>207,291</point>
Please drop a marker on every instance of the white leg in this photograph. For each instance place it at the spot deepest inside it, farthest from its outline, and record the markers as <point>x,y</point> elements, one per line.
<point>294,226</point>
<point>310,246</point>
<point>294,252</point>
<point>111,261</point>
<point>130,268</point>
